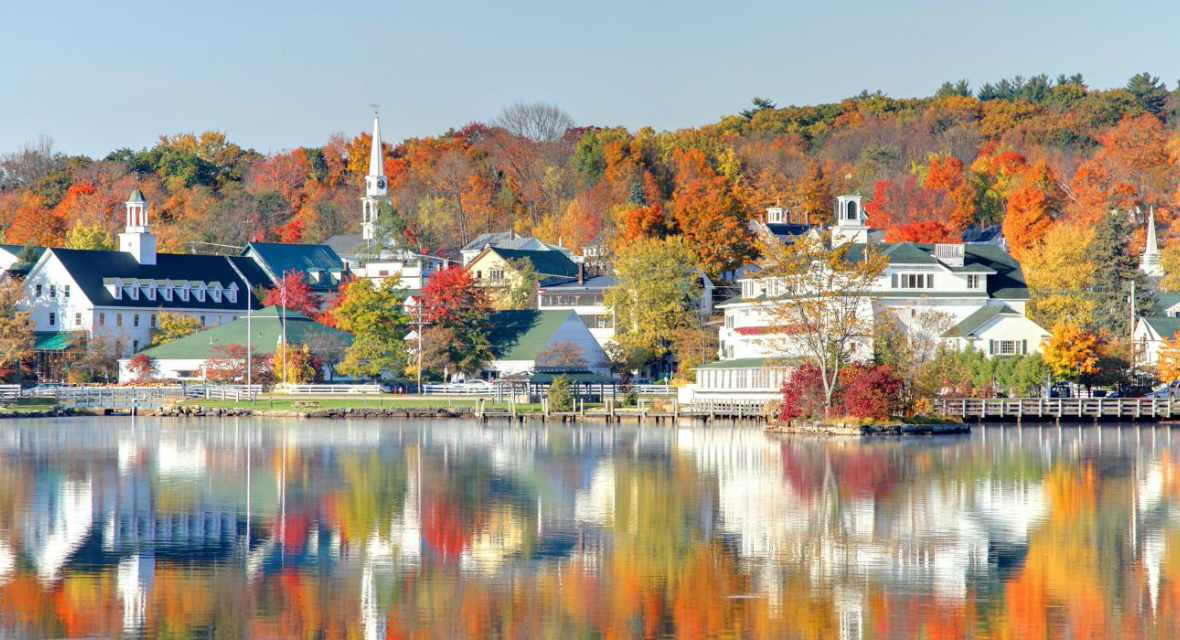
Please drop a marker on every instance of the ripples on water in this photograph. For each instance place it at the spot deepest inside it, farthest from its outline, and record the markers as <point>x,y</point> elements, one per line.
<point>248,528</point>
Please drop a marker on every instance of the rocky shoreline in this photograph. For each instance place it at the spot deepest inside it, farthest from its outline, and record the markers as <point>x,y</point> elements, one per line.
<point>196,411</point>
<point>860,430</point>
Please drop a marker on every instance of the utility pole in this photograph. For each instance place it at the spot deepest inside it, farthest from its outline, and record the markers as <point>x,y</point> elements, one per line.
<point>283,300</point>
<point>248,294</point>
<point>421,301</point>
<point>1131,337</point>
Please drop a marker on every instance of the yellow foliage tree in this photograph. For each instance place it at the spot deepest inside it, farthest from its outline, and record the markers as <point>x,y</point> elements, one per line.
<point>1167,369</point>
<point>1073,351</point>
<point>1058,273</point>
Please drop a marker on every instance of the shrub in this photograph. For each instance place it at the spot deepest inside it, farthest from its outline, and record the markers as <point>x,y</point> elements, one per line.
<point>143,367</point>
<point>803,394</point>
<point>560,396</point>
<point>870,391</point>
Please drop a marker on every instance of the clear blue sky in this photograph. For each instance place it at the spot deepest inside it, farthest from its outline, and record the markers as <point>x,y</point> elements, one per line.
<point>277,75</point>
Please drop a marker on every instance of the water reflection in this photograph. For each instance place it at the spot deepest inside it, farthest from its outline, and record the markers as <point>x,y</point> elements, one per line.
<point>446,529</point>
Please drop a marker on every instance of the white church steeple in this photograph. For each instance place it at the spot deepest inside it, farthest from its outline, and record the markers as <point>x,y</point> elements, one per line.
<point>850,221</point>
<point>137,239</point>
<point>375,184</point>
<point>1149,262</point>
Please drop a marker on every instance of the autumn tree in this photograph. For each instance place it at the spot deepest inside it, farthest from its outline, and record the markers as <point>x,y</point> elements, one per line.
<point>172,326</point>
<point>714,224</point>
<point>1026,220</point>
<point>293,293</point>
<point>143,367</point>
<point>1073,351</point>
<point>375,315</point>
<point>459,312</point>
<point>563,353</point>
<point>1059,271</point>
<point>819,300</point>
<point>1167,368</point>
<point>656,286</point>
<point>90,237</point>
<point>16,329</point>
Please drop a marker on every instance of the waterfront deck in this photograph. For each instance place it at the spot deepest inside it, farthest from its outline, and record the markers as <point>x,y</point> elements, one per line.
<point>1058,408</point>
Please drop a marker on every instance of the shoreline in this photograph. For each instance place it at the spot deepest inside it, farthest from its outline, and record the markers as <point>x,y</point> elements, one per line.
<point>898,429</point>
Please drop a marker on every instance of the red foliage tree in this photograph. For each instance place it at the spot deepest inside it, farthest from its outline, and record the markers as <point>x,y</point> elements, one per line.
<point>803,394</point>
<point>298,295</point>
<point>870,392</point>
<point>452,298</point>
<point>642,222</point>
<point>143,367</point>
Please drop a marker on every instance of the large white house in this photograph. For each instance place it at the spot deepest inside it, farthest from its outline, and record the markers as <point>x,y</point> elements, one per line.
<point>972,295</point>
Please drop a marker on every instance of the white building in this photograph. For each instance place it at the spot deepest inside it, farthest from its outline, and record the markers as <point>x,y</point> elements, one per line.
<point>970,295</point>
<point>119,294</point>
<point>361,252</point>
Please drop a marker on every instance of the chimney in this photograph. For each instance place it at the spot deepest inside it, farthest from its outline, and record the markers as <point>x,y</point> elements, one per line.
<point>581,272</point>
<point>511,233</point>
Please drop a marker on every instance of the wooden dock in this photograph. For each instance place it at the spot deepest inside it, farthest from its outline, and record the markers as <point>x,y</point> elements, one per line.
<point>669,413</point>
<point>1059,408</point>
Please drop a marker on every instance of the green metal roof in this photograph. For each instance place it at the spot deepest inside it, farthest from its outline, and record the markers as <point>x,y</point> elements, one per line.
<point>136,196</point>
<point>547,263</point>
<point>969,325</point>
<point>1165,326</point>
<point>745,363</point>
<point>1167,299</point>
<point>521,335</point>
<point>266,325</point>
<point>54,340</point>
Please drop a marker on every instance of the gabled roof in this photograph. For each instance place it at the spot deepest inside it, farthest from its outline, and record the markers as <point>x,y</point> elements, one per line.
<point>89,269</point>
<point>1166,299</point>
<point>521,335</point>
<point>547,263</point>
<point>1007,281</point>
<point>972,323</point>
<point>267,326</point>
<point>1165,326</point>
<point>277,259</point>
<point>510,240</point>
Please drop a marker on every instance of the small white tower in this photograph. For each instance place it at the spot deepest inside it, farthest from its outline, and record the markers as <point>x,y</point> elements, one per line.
<point>850,221</point>
<point>137,239</point>
<point>375,185</point>
<point>1149,262</point>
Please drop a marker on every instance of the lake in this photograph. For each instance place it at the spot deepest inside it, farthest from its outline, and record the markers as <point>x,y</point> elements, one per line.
<point>276,529</point>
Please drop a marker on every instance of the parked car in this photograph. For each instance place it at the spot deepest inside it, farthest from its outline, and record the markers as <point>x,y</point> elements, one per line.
<point>1060,391</point>
<point>1131,391</point>
<point>1099,393</point>
<point>1170,390</point>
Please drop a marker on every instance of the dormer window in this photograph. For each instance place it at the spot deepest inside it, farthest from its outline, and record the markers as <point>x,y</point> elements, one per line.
<point>182,293</point>
<point>166,291</point>
<point>231,295</point>
<point>775,215</point>
<point>199,294</point>
<point>215,295</point>
<point>149,292</point>
<point>133,291</point>
<point>114,286</point>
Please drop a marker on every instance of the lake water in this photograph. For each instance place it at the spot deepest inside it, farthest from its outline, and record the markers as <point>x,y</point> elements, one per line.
<point>255,529</point>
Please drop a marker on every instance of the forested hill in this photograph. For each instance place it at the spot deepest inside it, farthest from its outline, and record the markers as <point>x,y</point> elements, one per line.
<point>1039,155</point>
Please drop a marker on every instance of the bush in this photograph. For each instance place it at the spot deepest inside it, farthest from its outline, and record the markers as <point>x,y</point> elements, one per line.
<point>560,396</point>
<point>870,392</point>
<point>803,394</point>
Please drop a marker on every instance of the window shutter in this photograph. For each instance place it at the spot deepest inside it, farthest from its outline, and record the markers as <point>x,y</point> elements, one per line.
<point>991,347</point>
<point>1024,347</point>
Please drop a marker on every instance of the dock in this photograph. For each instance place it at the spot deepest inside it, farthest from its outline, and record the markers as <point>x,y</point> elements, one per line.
<point>1059,408</point>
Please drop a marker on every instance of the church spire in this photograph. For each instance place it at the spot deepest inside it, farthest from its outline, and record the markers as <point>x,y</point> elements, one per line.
<point>375,184</point>
<point>1149,262</point>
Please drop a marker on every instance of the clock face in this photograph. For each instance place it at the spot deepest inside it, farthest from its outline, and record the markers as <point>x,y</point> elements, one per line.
<point>380,183</point>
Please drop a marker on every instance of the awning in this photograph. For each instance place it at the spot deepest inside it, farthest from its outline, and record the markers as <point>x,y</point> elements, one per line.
<point>54,340</point>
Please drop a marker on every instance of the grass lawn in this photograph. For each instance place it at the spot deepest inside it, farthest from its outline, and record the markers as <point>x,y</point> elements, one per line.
<point>28,404</point>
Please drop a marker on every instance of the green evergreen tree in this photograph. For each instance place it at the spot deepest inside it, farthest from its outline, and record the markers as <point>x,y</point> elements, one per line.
<point>638,196</point>
<point>1115,269</point>
<point>1149,92</point>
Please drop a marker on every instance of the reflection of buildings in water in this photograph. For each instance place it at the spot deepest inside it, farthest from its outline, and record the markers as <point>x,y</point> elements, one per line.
<point>56,524</point>
<point>500,537</point>
<point>7,562</point>
<point>595,504</point>
<point>135,576</point>
<point>178,455</point>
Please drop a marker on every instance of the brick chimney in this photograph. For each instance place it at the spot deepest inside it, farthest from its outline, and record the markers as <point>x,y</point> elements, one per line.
<point>581,272</point>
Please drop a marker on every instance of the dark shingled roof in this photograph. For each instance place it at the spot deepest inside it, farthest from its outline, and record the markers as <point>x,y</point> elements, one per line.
<point>1007,282</point>
<point>89,268</point>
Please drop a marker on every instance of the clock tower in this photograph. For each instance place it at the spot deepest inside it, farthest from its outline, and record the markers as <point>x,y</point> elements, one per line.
<point>376,186</point>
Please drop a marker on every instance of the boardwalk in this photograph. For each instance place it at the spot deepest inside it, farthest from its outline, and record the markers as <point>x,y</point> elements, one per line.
<point>1057,408</point>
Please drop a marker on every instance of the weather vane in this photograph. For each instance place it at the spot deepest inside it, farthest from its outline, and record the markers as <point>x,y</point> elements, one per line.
<point>376,107</point>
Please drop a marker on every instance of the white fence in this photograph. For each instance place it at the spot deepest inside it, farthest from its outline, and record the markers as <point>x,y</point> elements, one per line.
<point>654,389</point>
<point>235,392</point>
<point>459,389</point>
<point>9,392</point>
<point>327,389</point>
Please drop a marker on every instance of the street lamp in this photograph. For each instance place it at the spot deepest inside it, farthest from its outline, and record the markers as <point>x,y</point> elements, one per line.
<point>249,325</point>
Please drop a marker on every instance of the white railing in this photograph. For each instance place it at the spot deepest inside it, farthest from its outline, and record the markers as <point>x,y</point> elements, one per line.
<point>327,389</point>
<point>9,392</point>
<point>459,389</point>
<point>654,389</point>
<point>235,392</point>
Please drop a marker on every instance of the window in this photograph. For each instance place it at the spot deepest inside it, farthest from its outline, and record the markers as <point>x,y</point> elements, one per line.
<point>1008,347</point>
<point>102,319</point>
<point>202,321</point>
<point>496,273</point>
<point>135,320</point>
<point>37,291</point>
<point>118,319</point>
<point>973,281</point>
<point>728,321</point>
<point>53,291</point>
<point>77,319</point>
<point>52,319</point>
<point>851,211</point>
<point>912,281</point>
<point>66,291</point>
<point>153,321</point>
